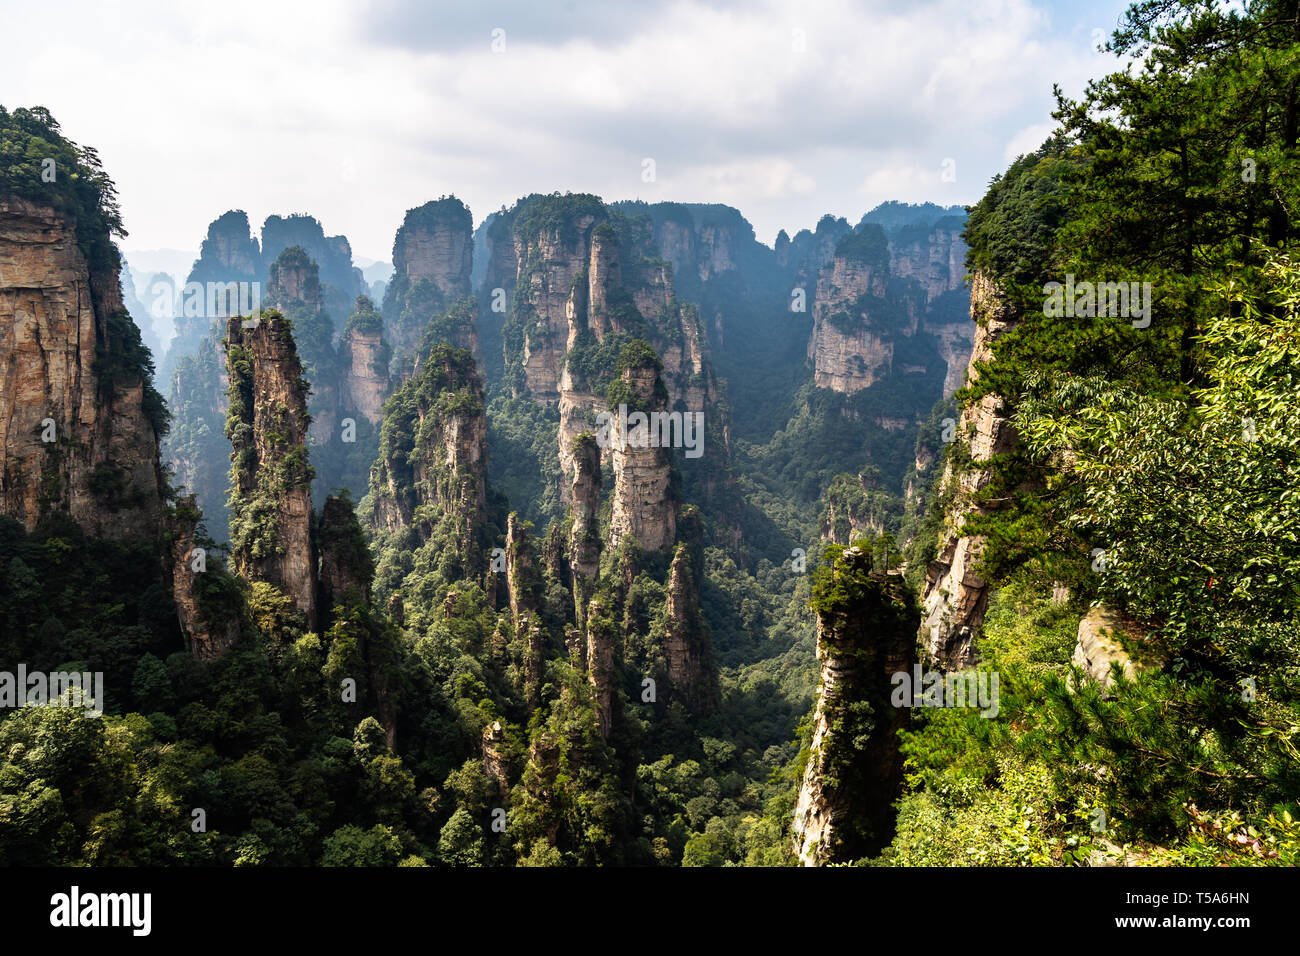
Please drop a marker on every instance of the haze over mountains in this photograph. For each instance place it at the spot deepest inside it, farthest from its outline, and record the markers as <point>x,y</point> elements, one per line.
<point>900,269</point>
<point>603,533</point>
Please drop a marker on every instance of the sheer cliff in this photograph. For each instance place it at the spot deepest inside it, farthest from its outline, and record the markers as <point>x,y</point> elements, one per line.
<point>956,596</point>
<point>865,635</point>
<point>80,417</point>
<point>432,259</point>
<point>270,499</point>
<point>890,301</point>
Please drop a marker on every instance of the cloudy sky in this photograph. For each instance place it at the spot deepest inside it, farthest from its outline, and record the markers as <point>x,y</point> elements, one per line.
<point>357,111</point>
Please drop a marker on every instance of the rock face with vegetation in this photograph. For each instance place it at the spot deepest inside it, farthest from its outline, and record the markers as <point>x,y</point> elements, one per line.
<point>855,766</point>
<point>270,493</point>
<point>294,289</point>
<point>956,596</point>
<point>430,476</point>
<point>432,260</point>
<point>228,254</point>
<point>585,543</point>
<point>692,676</point>
<point>643,502</point>
<point>80,417</point>
<point>889,299</point>
<point>310,279</point>
<point>365,354</point>
<point>210,626</point>
<point>340,281</point>
<point>79,414</point>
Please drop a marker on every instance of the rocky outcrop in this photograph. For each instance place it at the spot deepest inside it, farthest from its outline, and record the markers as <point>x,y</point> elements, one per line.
<point>935,259</point>
<point>294,288</point>
<point>340,281</point>
<point>432,261</point>
<point>495,759</point>
<point>552,250</point>
<point>809,252</point>
<point>294,282</point>
<point>364,354</point>
<point>209,631</point>
<point>228,250</point>
<point>686,647</point>
<point>524,585</point>
<point>271,511</point>
<point>523,580</point>
<point>855,507</point>
<point>865,631</point>
<point>601,633</point>
<point>1099,646</point>
<point>956,596</point>
<point>890,301</point>
<point>229,254</point>
<point>78,415</point>
<point>850,344</point>
<point>432,463</point>
<point>643,505</point>
<point>584,532</point>
<point>582,274</point>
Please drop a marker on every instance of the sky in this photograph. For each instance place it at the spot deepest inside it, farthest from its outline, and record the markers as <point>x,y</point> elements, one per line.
<point>356,111</point>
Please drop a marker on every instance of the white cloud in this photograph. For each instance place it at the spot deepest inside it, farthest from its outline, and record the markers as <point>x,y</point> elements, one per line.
<point>255,105</point>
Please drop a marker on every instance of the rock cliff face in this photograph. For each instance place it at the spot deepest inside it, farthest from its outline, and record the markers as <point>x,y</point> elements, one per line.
<point>210,633</point>
<point>848,350</point>
<point>75,405</point>
<point>935,259</point>
<point>294,288</point>
<point>585,283</point>
<point>865,634</point>
<point>271,511</point>
<point>229,249</point>
<point>524,585</point>
<point>433,457</point>
<point>340,281</point>
<point>956,596</point>
<point>809,252</point>
<point>552,253</point>
<point>643,506</point>
<point>854,508</point>
<point>584,534</point>
<point>890,301</point>
<point>691,674</point>
<point>601,635</point>
<point>595,324</point>
<point>364,355</point>
<point>231,254</point>
<point>432,261</point>
<point>1099,646</point>
<point>495,763</point>
<point>294,282</point>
